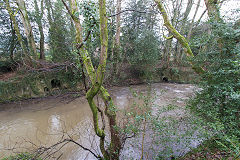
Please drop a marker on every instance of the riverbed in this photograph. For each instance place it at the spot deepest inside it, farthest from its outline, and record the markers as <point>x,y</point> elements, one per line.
<point>42,123</point>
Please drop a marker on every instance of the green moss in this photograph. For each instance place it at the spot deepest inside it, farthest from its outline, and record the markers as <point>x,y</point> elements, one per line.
<point>33,84</point>
<point>178,36</point>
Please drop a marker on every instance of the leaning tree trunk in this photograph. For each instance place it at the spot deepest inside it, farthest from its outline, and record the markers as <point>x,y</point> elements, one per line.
<point>181,39</point>
<point>27,28</point>
<point>168,51</point>
<point>183,28</point>
<point>191,27</point>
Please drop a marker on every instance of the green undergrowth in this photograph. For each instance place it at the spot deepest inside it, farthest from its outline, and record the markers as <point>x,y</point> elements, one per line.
<point>211,149</point>
<point>22,156</point>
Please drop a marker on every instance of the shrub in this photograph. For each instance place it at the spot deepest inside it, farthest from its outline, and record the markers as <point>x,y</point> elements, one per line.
<point>219,100</point>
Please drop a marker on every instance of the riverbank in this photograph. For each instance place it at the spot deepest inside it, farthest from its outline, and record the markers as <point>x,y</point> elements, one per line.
<point>23,84</point>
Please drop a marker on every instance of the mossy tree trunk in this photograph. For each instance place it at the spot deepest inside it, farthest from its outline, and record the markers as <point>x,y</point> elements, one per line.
<point>182,29</point>
<point>214,15</point>
<point>27,28</point>
<point>213,9</point>
<point>168,49</point>
<point>27,58</point>
<point>96,78</point>
<point>181,39</point>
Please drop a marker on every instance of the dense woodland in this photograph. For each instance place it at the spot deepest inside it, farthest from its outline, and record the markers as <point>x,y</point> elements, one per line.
<point>51,47</point>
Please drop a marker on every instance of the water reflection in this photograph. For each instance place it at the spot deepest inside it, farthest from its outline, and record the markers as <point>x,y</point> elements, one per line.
<point>54,121</point>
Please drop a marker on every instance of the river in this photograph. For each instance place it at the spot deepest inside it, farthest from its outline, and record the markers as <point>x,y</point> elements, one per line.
<point>30,125</point>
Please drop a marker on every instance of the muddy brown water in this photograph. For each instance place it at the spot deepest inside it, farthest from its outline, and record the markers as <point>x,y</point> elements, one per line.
<point>31,125</point>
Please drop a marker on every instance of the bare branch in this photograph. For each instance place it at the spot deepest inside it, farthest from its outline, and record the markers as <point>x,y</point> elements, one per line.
<point>127,10</point>
<point>84,148</point>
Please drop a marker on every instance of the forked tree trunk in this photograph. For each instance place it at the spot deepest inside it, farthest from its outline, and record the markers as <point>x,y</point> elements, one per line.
<point>96,77</point>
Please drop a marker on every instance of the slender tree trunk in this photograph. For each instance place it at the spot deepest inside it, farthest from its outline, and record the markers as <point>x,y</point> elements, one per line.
<point>116,48</point>
<point>200,18</point>
<point>191,27</point>
<point>112,29</point>
<point>167,52</point>
<point>192,23</point>
<point>49,12</point>
<point>117,39</point>
<point>39,16</point>
<point>27,28</point>
<point>27,59</point>
<point>12,42</point>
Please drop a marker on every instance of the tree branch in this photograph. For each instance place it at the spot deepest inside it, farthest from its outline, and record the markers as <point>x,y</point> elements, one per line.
<point>182,40</point>
<point>63,142</point>
<point>84,148</point>
<point>68,9</point>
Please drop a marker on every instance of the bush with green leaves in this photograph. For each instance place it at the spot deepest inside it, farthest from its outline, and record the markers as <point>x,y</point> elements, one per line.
<point>219,100</point>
